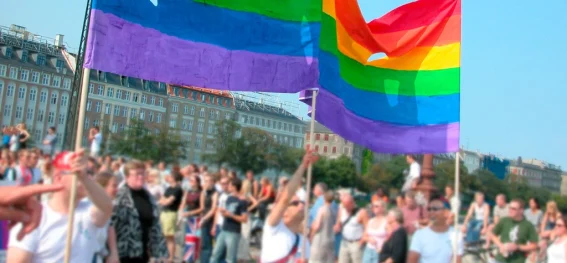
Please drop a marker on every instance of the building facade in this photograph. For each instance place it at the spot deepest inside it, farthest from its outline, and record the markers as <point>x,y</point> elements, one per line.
<point>35,82</point>
<point>327,143</point>
<point>472,160</point>
<point>498,166</point>
<point>538,173</point>
<point>564,184</point>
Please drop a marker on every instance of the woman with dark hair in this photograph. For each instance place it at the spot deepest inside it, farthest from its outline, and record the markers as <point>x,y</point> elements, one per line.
<point>533,213</point>
<point>136,219</point>
<point>191,207</point>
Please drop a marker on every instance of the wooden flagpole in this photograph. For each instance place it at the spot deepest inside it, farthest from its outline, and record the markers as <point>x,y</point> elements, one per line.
<point>309,173</point>
<point>457,195</point>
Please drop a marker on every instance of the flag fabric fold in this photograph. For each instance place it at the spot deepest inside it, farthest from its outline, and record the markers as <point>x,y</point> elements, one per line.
<point>405,102</point>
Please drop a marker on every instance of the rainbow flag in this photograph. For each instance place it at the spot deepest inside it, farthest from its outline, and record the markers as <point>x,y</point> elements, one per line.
<point>406,102</point>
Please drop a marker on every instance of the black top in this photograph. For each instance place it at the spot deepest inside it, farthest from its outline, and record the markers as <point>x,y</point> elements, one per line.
<point>177,193</point>
<point>193,199</point>
<point>24,144</point>
<point>396,247</point>
<point>208,205</point>
<point>143,205</point>
<point>234,206</point>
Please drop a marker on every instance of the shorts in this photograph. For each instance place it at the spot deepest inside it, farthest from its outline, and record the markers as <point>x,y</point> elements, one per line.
<point>168,221</point>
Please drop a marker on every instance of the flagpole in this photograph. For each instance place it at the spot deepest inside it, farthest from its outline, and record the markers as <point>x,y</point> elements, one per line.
<point>309,173</point>
<point>457,195</point>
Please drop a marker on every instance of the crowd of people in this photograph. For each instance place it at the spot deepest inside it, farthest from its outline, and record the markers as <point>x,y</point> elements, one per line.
<point>133,211</point>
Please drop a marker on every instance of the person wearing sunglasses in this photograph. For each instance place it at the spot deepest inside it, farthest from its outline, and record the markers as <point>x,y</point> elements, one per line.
<point>556,252</point>
<point>281,238</point>
<point>434,244</point>
<point>514,236</point>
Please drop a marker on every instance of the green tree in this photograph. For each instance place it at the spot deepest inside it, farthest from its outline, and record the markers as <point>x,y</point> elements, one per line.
<point>340,172</point>
<point>168,146</point>
<point>250,152</point>
<point>283,158</point>
<point>490,185</point>
<point>367,161</point>
<point>225,143</point>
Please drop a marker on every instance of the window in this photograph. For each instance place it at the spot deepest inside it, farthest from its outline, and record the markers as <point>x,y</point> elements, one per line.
<point>317,136</point>
<point>186,109</point>
<point>91,88</point>
<point>116,110</point>
<point>29,114</point>
<point>203,97</point>
<point>158,118</point>
<point>56,81</point>
<point>110,92</point>
<point>160,102</point>
<point>326,137</point>
<point>100,90</point>
<point>13,72</point>
<point>346,150</point>
<point>33,93</point>
<point>97,106</point>
<point>192,112</point>
<point>40,114</point>
<point>64,99</point>
<point>210,128</point>
<point>51,117</point>
<point>133,113</point>
<point>127,97</point>
<point>325,149</point>
<point>119,94</point>
<point>89,105</point>
<point>124,111</point>
<point>35,77</point>
<point>25,75</point>
<point>66,83</point>
<point>37,134</point>
<point>200,126</point>
<point>198,142</point>
<point>142,115</point>
<point>59,63</point>
<point>7,110</point>
<point>95,123</point>
<point>144,99</point>
<point>202,113</point>
<point>24,56</point>
<point>212,114</point>
<point>184,124</point>
<point>121,127</point>
<point>114,127</point>
<point>317,148</point>
<point>61,118</point>
<point>334,150</point>
<point>9,52</point>
<point>21,93</point>
<point>106,108</point>
<point>174,107</point>
<point>53,98</point>
<point>2,70</point>
<point>135,97</point>
<point>43,96</point>
<point>19,111</point>
<point>41,60</point>
<point>45,79</point>
<point>227,116</point>
<point>153,100</point>
<point>172,124</point>
<point>190,125</point>
<point>151,116</point>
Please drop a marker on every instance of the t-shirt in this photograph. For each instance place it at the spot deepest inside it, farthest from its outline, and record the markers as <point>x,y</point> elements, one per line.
<point>534,218</point>
<point>277,243</point>
<point>411,218</point>
<point>177,193</point>
<point>237,207</point>
<point>301,194</point>
<point>436,247</point>
<point>47,242</point>
<point>95,144</point>
<point>518,232</point>
<point>50,146</point>
<point>221,204</point>
<point>500,212</point>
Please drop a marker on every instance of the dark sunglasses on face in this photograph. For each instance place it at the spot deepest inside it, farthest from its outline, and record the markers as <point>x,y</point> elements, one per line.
<point>295,203</point>
<point>434,209</point>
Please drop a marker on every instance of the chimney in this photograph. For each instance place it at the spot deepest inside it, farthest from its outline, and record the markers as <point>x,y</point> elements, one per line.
<point>59,40</point>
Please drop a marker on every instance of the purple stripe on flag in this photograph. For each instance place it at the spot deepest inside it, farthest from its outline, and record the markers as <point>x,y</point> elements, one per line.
<point>378,136</point>
<point>121,47</point>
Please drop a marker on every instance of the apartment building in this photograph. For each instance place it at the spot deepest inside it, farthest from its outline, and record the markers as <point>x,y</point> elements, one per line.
<point>327,143</point>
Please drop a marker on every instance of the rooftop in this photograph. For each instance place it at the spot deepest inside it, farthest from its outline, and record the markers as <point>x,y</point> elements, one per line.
<point>127,82</point>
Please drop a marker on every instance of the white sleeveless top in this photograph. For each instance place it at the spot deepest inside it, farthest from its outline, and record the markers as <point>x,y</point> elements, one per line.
<point>556,252</point>
<point>479,211</point>
<point>352,230</point>
<point>379,234</point>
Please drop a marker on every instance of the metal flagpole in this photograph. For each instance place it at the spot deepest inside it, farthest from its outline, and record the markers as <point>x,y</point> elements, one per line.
<point>457,195</point>
<point>309,173</point>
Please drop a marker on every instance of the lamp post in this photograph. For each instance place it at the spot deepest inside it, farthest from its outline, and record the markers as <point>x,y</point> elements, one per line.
<point>426,185</point>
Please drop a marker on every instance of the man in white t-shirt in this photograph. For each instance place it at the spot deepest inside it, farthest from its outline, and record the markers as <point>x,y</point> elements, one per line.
<point>282,239</point>
<point>434,244</point>
<point>96,140</point>
<point>223,195</point>
<point>413,175</point>
<point>46,244</point>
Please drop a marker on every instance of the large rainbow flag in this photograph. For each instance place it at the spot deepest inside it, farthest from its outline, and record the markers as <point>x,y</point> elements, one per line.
<point>407,102</point>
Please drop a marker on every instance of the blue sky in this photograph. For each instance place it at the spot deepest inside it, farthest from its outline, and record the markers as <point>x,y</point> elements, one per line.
<point>514,68</point>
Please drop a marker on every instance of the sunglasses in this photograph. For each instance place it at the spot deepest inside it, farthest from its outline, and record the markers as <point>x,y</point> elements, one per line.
<point>559,225</point>
<point>434,209</point>
<point>295,203</point>
<point>514,208</point>
<point>376,206</point>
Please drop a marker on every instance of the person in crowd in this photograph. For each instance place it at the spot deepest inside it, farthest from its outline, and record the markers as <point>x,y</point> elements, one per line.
<point>232,175</point>
<point>209,200</point>
<point>135,219</point>
<point>455,203</point>
<point>191,201</point>
<point>414,216</point>
<point>49,141</point>
<point>533,213</point>
<point>32,163</point>
<point>7,171</point>
<point>170,203</point>
<point>514,236</point>
<point>153,184</point>
<point>23,173</point>
<point>499,211</point>
<point>23,135</point>
<point>476,221</point>
<point>281,186</point>
<point>549,220</point>
<point>557,250</point>
<point>162,169</point>
<point>223,171</point>
<point>375,233</point>
<point>244,244</point>
<point>250,185</point>
<point>95,137</point>
<point>394,249</point>
<point>6,135</point>
<point>14,140</point>
<point>380,194</point>
<point>107,252</point>
<point>319,191</point>
<point>413,175</point>
<point>203,170</point>
<point>221,204</point>
<point>322,234</point>
<point>400,201</point>
<point>351,222</point>
<point>266,197</point>
<point>44,243</point>
<point>281,235</point>
<point>234,214</point>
